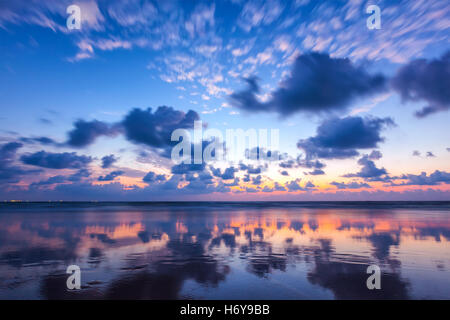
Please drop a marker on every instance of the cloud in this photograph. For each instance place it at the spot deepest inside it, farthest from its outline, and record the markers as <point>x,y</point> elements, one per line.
<point>316,172</point>
<point>41,140</point>
<point>108,161</point>
<point>350,185</point>
<point>307,163</point>
<point>138,126</point>
<point>430,154</point>
<point>153,177</point>
<point>8,152</point>
<point>257,180</point>
<point>48,14</point>
<point>155,128</point>
<point>201,18</point>
<point>416,153</point>
<point>86,132</point>
<point>260,153</point>
<point>79,175</point>
<point>287,164</point>
<point>111,176</point>
<point>256,13</point>
<point>9,173</point>
<point>184,168</point>
<point>294,185</point>
<point>369,169</point>
<point>49,181</point>
<point>201,183</point>
<point>340,138</point>
<point>309,184</point>
<point>132,13</point>
<point>250,169</point>
<point>375,155</point>
<point>425,80</point>
<point>317,84</point>
<point>115,191</point>
<point>50,160</point>
<point>436,178</point>
<point>226,175</point>
<point>276,187</point>
<point>76,177</point>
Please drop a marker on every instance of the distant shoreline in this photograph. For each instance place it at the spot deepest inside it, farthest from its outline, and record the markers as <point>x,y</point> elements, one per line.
<point>220,205</point>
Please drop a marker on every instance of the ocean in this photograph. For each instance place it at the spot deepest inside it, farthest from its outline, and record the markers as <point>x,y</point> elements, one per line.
<point>225,250</point>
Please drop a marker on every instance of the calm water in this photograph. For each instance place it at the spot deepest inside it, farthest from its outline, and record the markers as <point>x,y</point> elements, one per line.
<point>225,251</point>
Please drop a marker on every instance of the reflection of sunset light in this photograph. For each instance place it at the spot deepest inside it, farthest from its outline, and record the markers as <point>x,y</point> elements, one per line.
<point>118,232</point>
<point>180,227</point>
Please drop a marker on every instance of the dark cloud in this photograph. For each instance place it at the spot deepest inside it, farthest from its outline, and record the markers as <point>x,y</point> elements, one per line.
<point>430,154</point>
<point>202,182</point>
<point>369,169</point>
<point>307,163</point>
<point>425,80</point>
<point>284,173</point>
<point>226,175</point>
<point>139,126</point>
<point>153,177</point>
<point>287,164</point>
<point>318,84</point>
<point>294,185</point>
<point>40,140</point>
<point>235,183</point>
<point>257,180</point>
<point>184,168</point>
<point>309,184</point>
<point>436,178</point>
<point>375,155</point>
<point>8,153</point>
<point>250,169</point>
<point>304,162</point>
<point>108,161</point>
<point>79,175</point>
<point>49,181</point>
<point>172,190</point>
<point>111,176</point>
<point>50,160</point>
<point>154,129</point>
<point>416,153</point>
<point>278,187</point>
<point>86,132</point>
<point>350,185</point>
<point>316,172</point>
<point>199,176</point>
<point>258,153</point>
<point>340,138</point>
<point>76,177</point>
<point>10,173</point>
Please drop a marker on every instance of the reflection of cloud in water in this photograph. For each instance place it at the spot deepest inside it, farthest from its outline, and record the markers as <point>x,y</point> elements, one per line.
<point>348,280</point>
<point>153,256</point>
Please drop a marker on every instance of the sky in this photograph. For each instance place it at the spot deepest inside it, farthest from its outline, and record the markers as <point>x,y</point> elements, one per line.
<point>87,113</point>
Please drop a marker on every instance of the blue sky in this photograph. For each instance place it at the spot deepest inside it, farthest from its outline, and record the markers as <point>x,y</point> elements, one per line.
<point>199,55</point>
